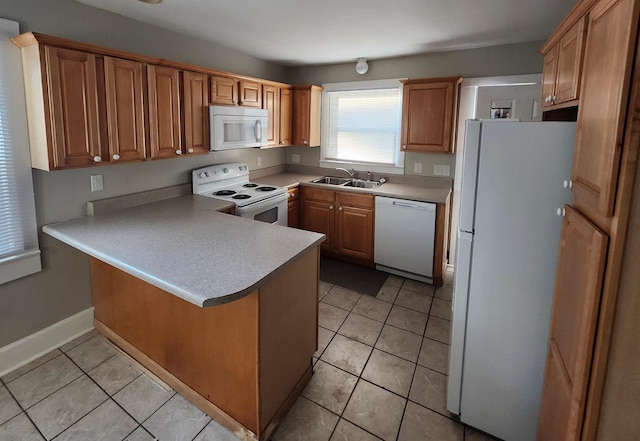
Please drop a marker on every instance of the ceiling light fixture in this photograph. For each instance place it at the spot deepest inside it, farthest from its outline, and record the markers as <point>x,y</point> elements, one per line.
<point>151,2</point>
<point>361,66</point>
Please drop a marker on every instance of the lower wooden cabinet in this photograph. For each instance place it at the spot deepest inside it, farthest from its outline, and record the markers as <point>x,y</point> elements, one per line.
<point>345,218</point>
<point>293,214</point>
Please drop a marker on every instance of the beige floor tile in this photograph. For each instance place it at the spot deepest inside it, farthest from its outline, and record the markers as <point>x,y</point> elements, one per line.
<point>372,308</point>
<point>31,365</point>
<point>215,432</point>
<point>324,337</point>
<point>434,355</point>
<point>424,425</point>
<point>398,342</point>
<point>441,309</point>
<point>8,406</point>
<point>422,288</point>
<point>306,421</point>
<point>345,431</point>
<point>429,388</point>
<point>389,372</point>
<point>107,422</point>
<point>91,353</point>
<point>376,410</point>
<point>66,406</point>
<point>142,397</point>
<point>330,317</point>
<point>444,292</point>
<point>438,329</point>
<point>114,374</point>
<point>394,280</point>
<point>347,354</point>
<point>414,300</point>
<point>360,328</point>
<point>177,419</point>
<point>330,387</point>
<point>474,435</point>
<point>407,319</point>
<point>388,293</point>
<point>76,341</point>
<point>140,434</point>
<point>42,381</point>
<point>323,289</point>
<point>19,429</point>
<point>341,297</point>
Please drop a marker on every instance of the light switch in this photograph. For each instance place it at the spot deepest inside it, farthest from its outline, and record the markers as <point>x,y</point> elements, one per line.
<point>441,170</point>
<point>259,161</point>
<point>417,167</point>
<point>97,183</point>
<point>295,158</point>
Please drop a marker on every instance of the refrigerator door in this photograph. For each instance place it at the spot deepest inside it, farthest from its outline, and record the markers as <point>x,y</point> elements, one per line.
<point>469,174</point>
<point>515,245</point>
<point>459,319</point>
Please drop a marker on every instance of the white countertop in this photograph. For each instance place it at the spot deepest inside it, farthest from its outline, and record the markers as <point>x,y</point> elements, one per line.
<point>183,246</point>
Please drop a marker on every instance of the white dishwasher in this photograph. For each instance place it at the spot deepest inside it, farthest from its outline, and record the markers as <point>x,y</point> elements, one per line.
<point>405,237</point>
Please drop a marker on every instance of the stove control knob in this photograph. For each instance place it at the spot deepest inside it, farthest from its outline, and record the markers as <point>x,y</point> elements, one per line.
<point>202,175</point>
<point>226,170</point>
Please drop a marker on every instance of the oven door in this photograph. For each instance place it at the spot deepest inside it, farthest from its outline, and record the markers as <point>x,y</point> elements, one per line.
<point>273,210</point>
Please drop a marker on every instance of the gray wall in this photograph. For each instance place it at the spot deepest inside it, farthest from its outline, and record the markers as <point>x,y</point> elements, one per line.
<point>62,288</point>
<point>512,59</point>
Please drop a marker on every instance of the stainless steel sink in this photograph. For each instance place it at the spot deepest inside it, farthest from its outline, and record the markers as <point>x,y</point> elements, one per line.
<point>361,183</point>
<point>333,180</point>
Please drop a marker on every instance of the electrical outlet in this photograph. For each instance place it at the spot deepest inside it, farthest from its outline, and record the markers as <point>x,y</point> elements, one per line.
<point>97,183</point>
<point>417,167</point>
<point>259,161</point>
<point>295,158</point>
<point>441,170</point>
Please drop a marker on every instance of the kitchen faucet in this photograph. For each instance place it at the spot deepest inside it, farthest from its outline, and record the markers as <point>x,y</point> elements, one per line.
<point>352,173</point>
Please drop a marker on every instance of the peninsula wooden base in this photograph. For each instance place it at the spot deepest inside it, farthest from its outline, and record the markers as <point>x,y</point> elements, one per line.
<point>244,363</point>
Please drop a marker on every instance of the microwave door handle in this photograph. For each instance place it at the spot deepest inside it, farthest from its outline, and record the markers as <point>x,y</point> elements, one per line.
<point>258,130</point>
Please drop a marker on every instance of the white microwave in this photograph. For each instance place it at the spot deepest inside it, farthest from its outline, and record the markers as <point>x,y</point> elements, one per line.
<point>237,127</point>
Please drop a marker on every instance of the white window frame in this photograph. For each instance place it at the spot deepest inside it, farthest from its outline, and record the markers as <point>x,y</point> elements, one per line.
<point>398,167</point>
<point>25,259</point>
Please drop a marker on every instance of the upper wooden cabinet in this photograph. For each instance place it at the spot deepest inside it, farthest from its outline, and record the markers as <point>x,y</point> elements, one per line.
<point>165,138</point>
<point>285,133</point>
<point>271,102</point>
<point>196,112</point>
<point>563,67</point>
<point>233,91</point>
<point>429,114</point>
<point>306,115</point>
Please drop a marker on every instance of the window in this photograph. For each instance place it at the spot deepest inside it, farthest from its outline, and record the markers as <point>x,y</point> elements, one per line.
<point>19,254</point>
<point>361,125</point>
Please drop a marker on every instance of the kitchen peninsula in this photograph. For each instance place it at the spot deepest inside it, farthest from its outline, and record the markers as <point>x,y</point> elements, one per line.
<point>223,309</point>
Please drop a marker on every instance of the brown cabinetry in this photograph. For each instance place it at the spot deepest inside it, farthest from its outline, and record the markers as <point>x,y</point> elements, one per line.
<point>165,137</point>
<point>196,112</point>
<point>306,115</point>
<point>285,132</point>
<point>232,91</point>
<point>563,67</point>
<point>429,113</point>
<point>345,218</point>
<point>293,213</point>
<point>277,101</point>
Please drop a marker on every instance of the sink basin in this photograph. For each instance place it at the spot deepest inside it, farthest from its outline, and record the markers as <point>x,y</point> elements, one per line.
<point>360,183</point>
<point>333,180</point>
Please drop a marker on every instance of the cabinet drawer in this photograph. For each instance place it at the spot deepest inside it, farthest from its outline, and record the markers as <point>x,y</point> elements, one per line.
<point>318,194</point>
<point>356,200</point>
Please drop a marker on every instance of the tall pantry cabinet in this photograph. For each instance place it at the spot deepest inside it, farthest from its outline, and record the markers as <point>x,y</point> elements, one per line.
<point>595,226</point>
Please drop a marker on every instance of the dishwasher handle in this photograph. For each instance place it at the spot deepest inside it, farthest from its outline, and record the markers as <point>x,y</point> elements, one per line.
<point>405,203</point>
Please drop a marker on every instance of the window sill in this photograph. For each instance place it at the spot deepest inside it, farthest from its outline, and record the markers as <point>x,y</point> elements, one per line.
<point>362,167</point>
<point>16,267</point>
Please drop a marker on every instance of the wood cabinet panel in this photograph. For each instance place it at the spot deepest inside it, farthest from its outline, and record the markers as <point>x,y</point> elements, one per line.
<point>429,113</point>
<point>306,115</point>
<point>224,90</point>
<point>293,214</point>
<point>285,132</point>
<point>319,217</point>
<point>355,232</point>
<point>73,111</point>
<point>165,129</point>
<point>125,111</point>
<point>271,102</point>
<point>549,75</point>
<point>250,94</point>
<point>196,112</point>
<point>578,288</point>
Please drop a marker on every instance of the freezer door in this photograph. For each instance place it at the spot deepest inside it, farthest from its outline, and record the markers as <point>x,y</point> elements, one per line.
<point>469,175</point>
<point>459,320</point>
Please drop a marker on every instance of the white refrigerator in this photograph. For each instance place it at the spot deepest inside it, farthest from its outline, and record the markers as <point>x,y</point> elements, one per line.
<point>508,242</point>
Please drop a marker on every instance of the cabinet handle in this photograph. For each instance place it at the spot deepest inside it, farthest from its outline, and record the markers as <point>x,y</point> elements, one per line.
<point>404,147</point>
<point>568,183</point>
<point>304,142</point>
<point>115,157</point>
<point>190,151</point>
<point>330,207</point>
<point>178,152</point>
<point>97,159</point>
<point>340,208</point>
<point>561,212</point>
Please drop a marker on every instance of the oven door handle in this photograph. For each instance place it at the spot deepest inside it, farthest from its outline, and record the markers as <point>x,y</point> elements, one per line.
<point>266,202</point>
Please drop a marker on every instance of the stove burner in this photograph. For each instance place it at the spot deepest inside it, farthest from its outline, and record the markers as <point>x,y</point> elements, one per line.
<point>250,185</point>
<point>265,188</point>
<point>241,196</point>
<point>224,192</point>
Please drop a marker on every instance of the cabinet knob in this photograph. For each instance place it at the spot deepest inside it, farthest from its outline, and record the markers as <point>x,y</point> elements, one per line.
<point>304,142</point>
<point>554,97</point>
<point>281,142</point>
<point>330,207</point>
<point>339,208</point>
<point>97,159</point>
<point>567,183</point>
<point>190,151</point>
<point>178,152</point>
<point>233,102</point>
<point>404,147</point>
<point>561,212</point>
<point>115,157</point>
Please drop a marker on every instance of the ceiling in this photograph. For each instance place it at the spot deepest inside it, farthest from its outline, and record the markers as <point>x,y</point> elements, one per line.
<point>307,32</point>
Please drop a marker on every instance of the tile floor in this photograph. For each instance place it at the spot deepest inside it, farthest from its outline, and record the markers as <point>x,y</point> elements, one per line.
<point>380,374</point>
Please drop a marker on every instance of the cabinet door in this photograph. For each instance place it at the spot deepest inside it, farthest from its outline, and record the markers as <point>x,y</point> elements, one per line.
<point>224,90</point>
<point>286,115</point>
<point>271,102</point>
<point>569,67</point>
<point>125,113</point>
<point>354,225</point>
<point>73,110</point>
<point>164,111</point>
<point>576,301</point>
<point>606,77</point>
<point>196,112</point>
<point>293,219</point>
<point>301,116</point>
<point>428,112</point>
<point>549,75</point>
<point>250,94</point>
<point>318,213</point>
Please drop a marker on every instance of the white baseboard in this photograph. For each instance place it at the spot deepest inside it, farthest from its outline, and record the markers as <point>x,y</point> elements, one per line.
<point>25,350</point>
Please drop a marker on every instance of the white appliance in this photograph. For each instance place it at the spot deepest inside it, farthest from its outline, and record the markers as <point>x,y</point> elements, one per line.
<point>230,182</point>
<point>404,237</point>
<point>508,241</point>
<point>234,127</point>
